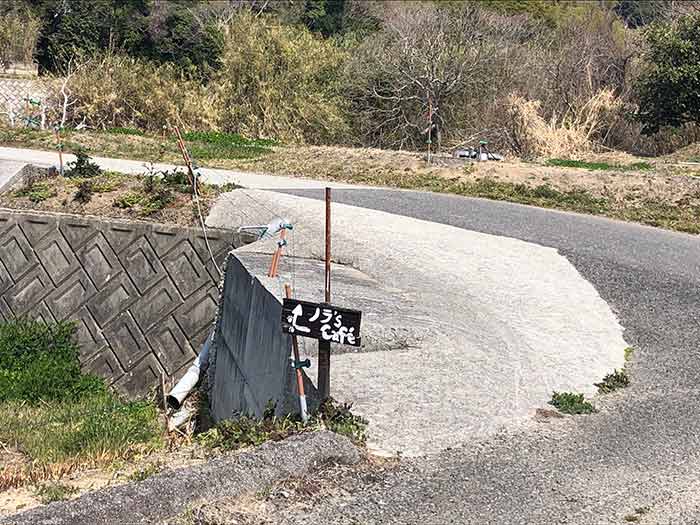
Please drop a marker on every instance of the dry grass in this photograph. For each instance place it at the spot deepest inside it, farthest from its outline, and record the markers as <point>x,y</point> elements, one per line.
<point>667,195</point>
<point>570,135</point>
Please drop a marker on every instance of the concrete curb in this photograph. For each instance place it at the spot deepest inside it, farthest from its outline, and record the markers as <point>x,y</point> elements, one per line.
<point>10,172</point>
<point>170,493</point>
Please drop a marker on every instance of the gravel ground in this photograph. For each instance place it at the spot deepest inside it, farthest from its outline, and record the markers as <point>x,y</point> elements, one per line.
<point>634,461</point>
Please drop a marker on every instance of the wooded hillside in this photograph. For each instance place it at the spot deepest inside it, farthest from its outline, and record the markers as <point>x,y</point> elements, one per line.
<point>533,77</point>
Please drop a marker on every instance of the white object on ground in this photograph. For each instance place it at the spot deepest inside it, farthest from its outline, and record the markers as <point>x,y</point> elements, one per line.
<point>183,388</point>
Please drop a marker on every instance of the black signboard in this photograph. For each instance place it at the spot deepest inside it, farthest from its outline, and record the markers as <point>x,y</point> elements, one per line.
<point>321,321</point>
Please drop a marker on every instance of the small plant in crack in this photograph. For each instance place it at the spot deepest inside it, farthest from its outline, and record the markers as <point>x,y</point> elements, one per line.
<point>611,382</point>
<point>84,193</point>
<point>571,403</point>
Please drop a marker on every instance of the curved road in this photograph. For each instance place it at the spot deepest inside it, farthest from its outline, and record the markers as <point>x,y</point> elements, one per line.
<point>637,458</point>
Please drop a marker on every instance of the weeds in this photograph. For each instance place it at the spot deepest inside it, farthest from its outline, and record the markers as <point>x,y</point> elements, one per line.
<point>611,382</point>
<point>84,193</point>
<point>125,131</point>
<point>37,192</point>
<point>218,145</point>
<point>543,195</point>
<point>50,492</point>
<point>250,431</point>
<point>40,361</point>
<point>629,352</point>
<point>571,403</point>
<point>128,200</point>
<point>145,472</point>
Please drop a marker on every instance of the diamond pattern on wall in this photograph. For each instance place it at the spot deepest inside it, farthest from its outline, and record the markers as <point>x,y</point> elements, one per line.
<point>142,295</point>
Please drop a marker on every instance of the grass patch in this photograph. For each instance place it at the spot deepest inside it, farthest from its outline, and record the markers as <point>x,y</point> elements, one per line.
<point>571,403</point>
<point>544,195</point>
<point>611,382</point>
<point>599,166</point>
<point>125,131</point>
<point>49,492</point>
<point>208,145</point>
<point>249,431</point>
<point>58,417</point>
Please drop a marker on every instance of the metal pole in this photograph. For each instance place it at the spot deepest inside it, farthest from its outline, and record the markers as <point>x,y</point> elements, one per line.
<point>300,377</point>
<point>324,347</point>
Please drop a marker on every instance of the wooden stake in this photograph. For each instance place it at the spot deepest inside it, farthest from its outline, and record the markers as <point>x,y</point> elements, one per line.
<point>59,146</point>
<point>188,161</point>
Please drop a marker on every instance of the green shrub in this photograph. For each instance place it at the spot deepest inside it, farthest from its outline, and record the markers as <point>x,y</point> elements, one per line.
<point>82,167</point>
<point>156,201</point>
<point>84,193</point>
<point>571,403</point>
<point>40,362</point>
<point>611,382</point>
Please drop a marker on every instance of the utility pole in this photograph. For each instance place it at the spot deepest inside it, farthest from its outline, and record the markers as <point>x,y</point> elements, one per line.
<point>324,347</point>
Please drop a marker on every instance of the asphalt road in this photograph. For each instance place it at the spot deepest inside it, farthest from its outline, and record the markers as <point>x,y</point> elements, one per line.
<point>636,459</point>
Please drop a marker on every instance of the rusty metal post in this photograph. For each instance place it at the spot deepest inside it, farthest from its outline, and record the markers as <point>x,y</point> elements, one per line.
<point>324,347</point>
<point>297,367</point>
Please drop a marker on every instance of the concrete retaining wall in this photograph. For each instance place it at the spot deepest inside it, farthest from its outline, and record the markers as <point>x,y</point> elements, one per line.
<point>143,295</point>
<point>250,361</point>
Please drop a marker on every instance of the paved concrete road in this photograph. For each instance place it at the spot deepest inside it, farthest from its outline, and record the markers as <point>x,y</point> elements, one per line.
<point>209,175</point>
<point>490,326</point>
<point>640,451</point>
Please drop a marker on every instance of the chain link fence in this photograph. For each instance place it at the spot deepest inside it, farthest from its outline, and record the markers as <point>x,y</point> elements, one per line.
<point>21,102</point>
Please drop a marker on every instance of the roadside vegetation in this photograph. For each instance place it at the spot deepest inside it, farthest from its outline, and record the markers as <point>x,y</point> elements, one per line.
<point>156,195</point>
<point>592,103</point>
<point>57,418</point>
<point>571,403</point>
<point>249,431</point>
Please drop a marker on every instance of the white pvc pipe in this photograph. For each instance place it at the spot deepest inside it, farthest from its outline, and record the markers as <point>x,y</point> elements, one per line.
<point>183,388</point>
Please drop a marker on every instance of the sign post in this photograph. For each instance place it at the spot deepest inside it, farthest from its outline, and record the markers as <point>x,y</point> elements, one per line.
<point>324,347</point>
